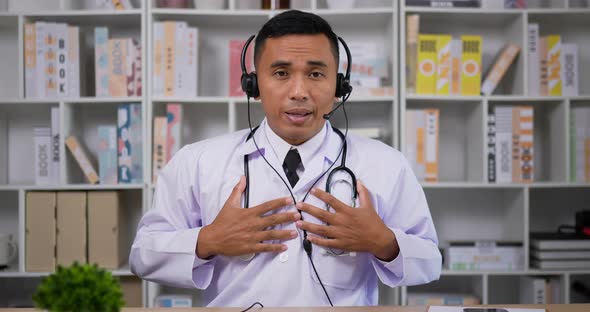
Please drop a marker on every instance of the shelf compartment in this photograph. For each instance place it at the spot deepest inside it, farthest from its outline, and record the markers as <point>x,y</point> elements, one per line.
<point>9,49</point>
<point>9,224</point>
<point>461,130</point>
<point>512,289</point>
<point>552,207</point>
<point>466,284</point>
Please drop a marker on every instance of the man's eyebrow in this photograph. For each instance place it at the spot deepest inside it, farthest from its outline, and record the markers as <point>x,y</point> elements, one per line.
<point>281,63</point>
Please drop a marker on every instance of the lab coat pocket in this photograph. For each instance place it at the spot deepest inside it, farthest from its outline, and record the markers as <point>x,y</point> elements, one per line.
<point>344,271</point>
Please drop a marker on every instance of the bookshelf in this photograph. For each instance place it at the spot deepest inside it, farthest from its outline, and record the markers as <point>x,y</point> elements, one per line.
<point>463,195</point>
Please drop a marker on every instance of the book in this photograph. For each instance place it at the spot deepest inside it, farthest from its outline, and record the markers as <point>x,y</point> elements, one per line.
<point>533,59</point>
<point>435,298</point>
<point>422,135</point>
<point>118,55</point>
<point>445,3</point>
<point>137,68</point>
<point>471,65</point>
<point>160,147</point>
<point>580,144</point>
<point>484,255</point>
<point>129,138</point>
<point>235,71</point>
<point>174,129</point>
<point>192,60</point>
<point>523,144</point>
<point>515,4</point>
<point>559,241</point>
<point>107,154</point>
<point>506,57</point>
<point>158,59</point>
<point>82,159</point>
<point>543,67</point>
<point>51,60</point>
<point>561,264</point>
<point>130,67</point>
<point>412,31</point>
<point>569,69</point>
<point>42,156</point>
<point>503,149</point>
<point>369,65</point>
<point>75,58</point>
<point>456,53</point>
<point>31,79</point>
<point>169,57</point>
<point>55,146</point>
<point>62,59</point>
<point>560,254</point>
<point>554,65</point>
<point>491,147</point>
<point>434,308</point>
<point>101,61</point>
<point>40,45</point>
<point>427,56</point>
<point>443,64</point>
<point>180,62</point>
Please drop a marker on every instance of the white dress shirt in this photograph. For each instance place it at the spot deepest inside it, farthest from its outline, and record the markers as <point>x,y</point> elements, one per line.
<point>195,184</point>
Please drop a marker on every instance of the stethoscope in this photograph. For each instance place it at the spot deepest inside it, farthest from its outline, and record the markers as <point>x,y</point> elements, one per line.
<point>341,168</point>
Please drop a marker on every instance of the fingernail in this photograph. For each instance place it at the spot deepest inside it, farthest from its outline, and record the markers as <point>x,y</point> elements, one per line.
<point>297,216</point>
<point>313,190</point>
<point>299,206</point>
<point>284,248</point>
<point>289,200</point>
<point>299,223</point>
<point>293,234</point>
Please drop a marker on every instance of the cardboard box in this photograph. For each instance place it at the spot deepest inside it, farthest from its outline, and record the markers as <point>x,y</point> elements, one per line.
<point>132,291</point>
<point>40,231</point>
<point>71,228</point>
<point>106,236</point>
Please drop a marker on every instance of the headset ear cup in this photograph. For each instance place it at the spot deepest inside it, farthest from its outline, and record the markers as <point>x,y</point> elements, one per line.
<point>339,80</point>
<point>255,91</point>
<point>250,85</point>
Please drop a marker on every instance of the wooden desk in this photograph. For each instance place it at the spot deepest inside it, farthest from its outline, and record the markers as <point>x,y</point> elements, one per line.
<point>550,308</point>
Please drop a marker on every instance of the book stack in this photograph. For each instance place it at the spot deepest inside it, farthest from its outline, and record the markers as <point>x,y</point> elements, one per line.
<point>484,256</point>
<point>117,65</point>
<point>553,65</point>
<point>580,144</point>
<point>120,149</point>
<point>175,59</point>
<point>167,137</point>
<point>52,60</point>
<point>559,251</point>
<point>368,70</point>
<point>422,137</point>
<point>511,144</point>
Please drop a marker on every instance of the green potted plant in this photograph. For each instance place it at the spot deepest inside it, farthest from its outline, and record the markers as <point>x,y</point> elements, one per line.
<point>86,288</point>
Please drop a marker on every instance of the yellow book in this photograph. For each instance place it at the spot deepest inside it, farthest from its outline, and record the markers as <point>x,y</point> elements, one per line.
<point>443,61</point>
<point>554,64</point>
<point>471,65</point>
<point>426,75</point>
<point>431,144</point>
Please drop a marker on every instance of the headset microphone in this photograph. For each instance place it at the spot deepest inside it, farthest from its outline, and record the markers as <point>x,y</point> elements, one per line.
<point>329,115</point>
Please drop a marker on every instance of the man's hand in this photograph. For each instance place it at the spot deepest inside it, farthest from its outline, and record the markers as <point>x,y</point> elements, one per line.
<point>348,228</point>
<point>237,231</point>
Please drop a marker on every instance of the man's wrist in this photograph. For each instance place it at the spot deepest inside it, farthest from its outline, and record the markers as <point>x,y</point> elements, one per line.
<point>387,248</point>
<point>203,248</point>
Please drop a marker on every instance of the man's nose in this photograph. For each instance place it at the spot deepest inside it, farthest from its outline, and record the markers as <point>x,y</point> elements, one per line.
<point>298,90</point>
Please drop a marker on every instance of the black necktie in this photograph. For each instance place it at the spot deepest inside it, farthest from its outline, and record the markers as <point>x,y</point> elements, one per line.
<point>292,161</point>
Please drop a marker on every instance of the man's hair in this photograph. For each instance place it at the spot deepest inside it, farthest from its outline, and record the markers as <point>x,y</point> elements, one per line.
<point>295,22</point>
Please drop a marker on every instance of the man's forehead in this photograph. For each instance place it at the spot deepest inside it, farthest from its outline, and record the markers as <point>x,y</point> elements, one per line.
<point>310,47</point>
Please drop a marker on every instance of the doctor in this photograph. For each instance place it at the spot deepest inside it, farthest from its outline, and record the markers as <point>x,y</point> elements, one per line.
<point>198,234</point>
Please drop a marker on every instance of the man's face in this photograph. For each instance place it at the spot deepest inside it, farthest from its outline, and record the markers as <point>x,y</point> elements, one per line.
<point>297,82</point>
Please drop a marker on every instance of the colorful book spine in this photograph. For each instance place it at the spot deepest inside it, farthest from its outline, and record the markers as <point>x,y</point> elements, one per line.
<point>51,60</point>
<point>422,135</point>
<point>31,79</point>
<point>118,54</point>
<point>82,159</point>
<point>491,147</point>
<point>426,74</point>
<point>543,67</point>
<point>580,144</point>
<point>180,59</point>
<point>569,70</point>
<point>159,153</point>
<point>235,52</point>
<point>169,57</point>
<point>431,144</point>
<point>443,64</point>
<point>523,166</point>
<point>503,144</point>
<point>506,58</point>
<point>73,69</point>
<point>130,67</point>
<point>192,57</point>
<point>107,154</point>
<point>129,137</point>
<point>137,68</point>
<point>41,47</point>
<point>554,64</point>
<point>456,53</point>
<point>101,65</point>
<point>42,156</point>
<point>62,60</point>
<point>533,59</point>
<point>55,146</point>
<point>412,31</point>
<point>158,61</point>
<point>174,129</point>
<point>471,65</point>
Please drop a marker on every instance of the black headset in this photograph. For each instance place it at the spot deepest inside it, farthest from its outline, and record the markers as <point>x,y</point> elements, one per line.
<point>250,81</point>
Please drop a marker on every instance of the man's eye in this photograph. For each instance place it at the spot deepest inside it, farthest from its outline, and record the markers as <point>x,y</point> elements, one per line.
<point>317,75</point>
<point>280,73</point>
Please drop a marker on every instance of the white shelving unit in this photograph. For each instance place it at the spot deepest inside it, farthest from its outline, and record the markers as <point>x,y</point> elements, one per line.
<point>463,204</point>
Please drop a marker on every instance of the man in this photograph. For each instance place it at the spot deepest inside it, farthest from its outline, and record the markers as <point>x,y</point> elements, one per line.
<point>198,234</point>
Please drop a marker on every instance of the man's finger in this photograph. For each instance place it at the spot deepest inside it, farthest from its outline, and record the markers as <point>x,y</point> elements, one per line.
<point>321,214</point>
<point>236,194</point>
<point>321,230</point>
<point>275,235</point>
<point>329,199</point>
<point>260,247</point>
<point>279,218</point>
<point>326,242</point>
<point>271,205</point>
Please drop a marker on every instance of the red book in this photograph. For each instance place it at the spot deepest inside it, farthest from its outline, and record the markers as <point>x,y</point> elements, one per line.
<point>235,68</point>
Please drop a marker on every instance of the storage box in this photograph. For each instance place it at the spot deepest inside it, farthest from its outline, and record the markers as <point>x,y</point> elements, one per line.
<point>71,228</point>
<point>106,237</point>
<point>132,291</point>
<point>40,231</point>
